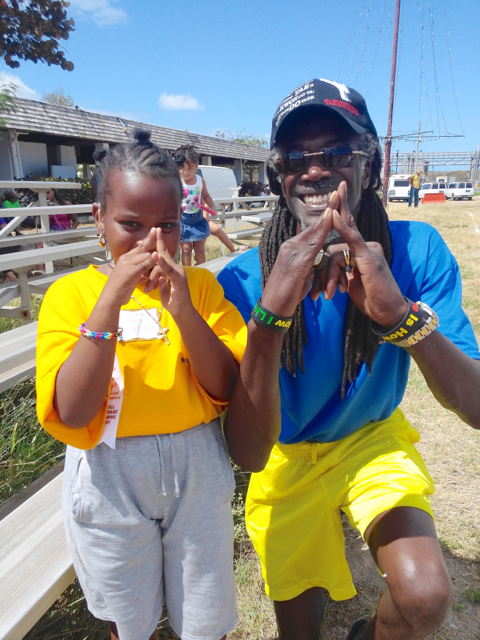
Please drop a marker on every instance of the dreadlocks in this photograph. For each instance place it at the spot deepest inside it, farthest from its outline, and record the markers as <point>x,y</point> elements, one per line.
<point>141,156</point>
<point>372,221</point>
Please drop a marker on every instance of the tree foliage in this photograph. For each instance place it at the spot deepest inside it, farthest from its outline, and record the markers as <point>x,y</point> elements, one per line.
<point>250,169</point>
<point>31,30</point>
<point>242,137</point>
<point>7,104</point>
<point>58,97</point>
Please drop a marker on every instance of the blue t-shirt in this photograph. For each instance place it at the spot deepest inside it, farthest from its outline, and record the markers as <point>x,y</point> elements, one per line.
<point>312,408</point>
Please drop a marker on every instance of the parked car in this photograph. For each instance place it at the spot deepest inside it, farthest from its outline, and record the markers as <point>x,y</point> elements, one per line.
<point>220,181</point>
<point>398,188</point>
<point>460,190</point>
<point>432,187</point>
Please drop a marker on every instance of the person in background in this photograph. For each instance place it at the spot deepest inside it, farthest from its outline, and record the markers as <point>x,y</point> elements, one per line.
<point>10,201</point>
<point>60,221</point>
<point>9,275</point>
<point>195,194</point>
<point>415,180</point>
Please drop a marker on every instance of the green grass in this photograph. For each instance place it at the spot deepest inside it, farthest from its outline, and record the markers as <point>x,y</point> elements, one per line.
<point>26,450</point>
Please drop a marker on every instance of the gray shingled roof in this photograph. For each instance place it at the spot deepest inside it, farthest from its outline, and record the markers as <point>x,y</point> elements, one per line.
<point>41,117</point>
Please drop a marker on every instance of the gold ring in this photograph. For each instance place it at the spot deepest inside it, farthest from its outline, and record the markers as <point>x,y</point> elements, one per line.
<point>318,258</point>
<point>346,253</point>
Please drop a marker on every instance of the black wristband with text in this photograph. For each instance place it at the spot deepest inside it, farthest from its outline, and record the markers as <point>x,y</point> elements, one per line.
<point>266,318</point>
<point>410,323</point>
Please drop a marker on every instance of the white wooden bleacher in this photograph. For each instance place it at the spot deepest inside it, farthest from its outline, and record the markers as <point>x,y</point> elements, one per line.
<point>35,564</point>
<point>50,236</point>
<point>23,261</point>
<point>17,355</point>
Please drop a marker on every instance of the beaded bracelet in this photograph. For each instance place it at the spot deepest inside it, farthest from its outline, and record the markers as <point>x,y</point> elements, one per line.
<point>99,335</point>
<point>266,318</point>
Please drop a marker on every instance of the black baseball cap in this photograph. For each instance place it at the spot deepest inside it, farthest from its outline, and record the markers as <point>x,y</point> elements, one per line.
<point>345,101</point>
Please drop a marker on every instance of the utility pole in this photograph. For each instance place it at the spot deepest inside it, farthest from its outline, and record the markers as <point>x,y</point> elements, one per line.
<point>418,142</point>
<point>388,139</point>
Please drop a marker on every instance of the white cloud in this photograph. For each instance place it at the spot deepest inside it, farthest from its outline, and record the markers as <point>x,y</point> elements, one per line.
<point>102,12</point>
<point>170,102</point>
<point>23,90</point>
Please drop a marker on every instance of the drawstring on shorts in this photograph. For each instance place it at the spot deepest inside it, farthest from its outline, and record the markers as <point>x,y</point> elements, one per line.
<point>176,492</point>
<point>161,439</point>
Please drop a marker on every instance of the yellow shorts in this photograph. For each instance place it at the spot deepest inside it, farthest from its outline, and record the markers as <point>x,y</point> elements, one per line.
<point>293,505</point>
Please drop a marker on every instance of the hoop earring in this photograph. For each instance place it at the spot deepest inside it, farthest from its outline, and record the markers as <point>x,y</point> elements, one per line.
<point>102,241</point>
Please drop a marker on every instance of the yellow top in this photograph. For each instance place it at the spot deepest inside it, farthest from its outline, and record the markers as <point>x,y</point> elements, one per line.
<point>161,393</point>
<point>416,179</point>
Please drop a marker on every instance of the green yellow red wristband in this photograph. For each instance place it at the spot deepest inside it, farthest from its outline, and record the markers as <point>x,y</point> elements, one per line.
<point>266,318</point>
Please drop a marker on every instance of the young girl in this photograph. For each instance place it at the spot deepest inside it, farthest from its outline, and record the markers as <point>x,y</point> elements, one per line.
<point>195,194</point>
<point>147,484</point>
<point>60,221</point>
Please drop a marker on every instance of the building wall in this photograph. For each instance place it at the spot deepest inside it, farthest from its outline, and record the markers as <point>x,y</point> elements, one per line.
<point>67,156</point>
<point>34,158</point>
<point>5,163</point>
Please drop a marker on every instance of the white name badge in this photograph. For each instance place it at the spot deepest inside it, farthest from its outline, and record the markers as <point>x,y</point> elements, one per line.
<point>139,325</point>
<point>115,399</point>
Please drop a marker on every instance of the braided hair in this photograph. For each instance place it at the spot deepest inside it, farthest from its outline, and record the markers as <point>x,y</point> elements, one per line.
<point>141,156</point>
<point>372,221</point>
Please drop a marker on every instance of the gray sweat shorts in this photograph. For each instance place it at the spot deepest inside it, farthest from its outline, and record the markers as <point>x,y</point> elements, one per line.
<point>151,521</point>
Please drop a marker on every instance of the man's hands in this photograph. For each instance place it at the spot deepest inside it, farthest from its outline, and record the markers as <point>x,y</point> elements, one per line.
<point>370,283</point>
<point>292,275</point>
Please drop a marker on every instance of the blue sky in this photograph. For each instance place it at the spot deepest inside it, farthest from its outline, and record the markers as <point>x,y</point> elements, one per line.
<point>220,65</point>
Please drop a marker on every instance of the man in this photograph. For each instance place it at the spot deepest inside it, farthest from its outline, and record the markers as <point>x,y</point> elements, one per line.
<point>325,434</point>
<point>415,180</point>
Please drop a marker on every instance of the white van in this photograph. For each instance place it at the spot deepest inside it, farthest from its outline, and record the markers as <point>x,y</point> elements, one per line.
<point>221,182</point>
<point>432,187</point>
<point>460,190</point>
<point>398,188</point>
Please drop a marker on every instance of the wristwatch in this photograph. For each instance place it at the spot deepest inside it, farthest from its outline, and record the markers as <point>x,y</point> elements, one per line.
<point>430,324</point>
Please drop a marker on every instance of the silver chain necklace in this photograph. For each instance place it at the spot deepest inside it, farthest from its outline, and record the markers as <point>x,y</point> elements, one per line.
<point>162,331</point>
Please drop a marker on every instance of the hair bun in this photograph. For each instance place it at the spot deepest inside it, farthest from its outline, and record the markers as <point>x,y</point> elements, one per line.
<point>142,136</point>
<point>99,154</point>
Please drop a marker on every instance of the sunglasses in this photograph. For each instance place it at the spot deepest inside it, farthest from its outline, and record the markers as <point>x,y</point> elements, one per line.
<point>329,158</point>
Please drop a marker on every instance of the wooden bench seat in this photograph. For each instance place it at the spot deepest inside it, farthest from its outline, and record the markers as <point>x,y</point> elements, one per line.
<point>40,284</point>
<point>245,233</point>
<point>50,236</point>
<point>8,291</point>
<point>35,563</point>
<point>18,349</point>
<point>215,266</point>
<point>260,218</point>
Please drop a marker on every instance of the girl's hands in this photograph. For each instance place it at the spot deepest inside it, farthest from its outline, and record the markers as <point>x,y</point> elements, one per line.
<point>130,269</point>
<point>172,281</point>
<point>369,283</point>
